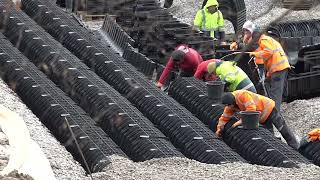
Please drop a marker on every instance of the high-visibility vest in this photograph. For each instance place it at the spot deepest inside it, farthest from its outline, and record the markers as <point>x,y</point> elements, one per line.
<point>227,71</point>
<point>248,101</point>
<point>314,135</point>
<point>206,21</point>
<point>271,54</point>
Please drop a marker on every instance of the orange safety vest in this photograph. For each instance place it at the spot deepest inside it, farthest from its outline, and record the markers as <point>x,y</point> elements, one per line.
<point>248,101</point>
<point>271,54</point>
<point>314,135</point>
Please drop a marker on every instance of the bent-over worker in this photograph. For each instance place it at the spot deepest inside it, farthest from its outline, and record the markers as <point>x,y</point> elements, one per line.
<point>183,58</point>
<point>234,77</point>
<point>243,100</point>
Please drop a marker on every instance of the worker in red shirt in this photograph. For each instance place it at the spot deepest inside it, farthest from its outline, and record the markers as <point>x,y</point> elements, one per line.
<point>202,71</point>
<point>183,58</point>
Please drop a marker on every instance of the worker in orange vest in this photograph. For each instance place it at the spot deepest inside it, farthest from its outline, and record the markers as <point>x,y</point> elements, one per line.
<point>243,100</point>
<point>270,57</point>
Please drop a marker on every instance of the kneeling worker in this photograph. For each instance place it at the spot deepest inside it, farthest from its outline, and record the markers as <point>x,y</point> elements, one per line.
<point>234,77</point>
<point>243,100</point>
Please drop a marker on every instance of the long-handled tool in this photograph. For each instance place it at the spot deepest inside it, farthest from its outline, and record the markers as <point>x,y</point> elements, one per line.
<point>260,75</point>
<point>261,79</point>
<point>234,53</point>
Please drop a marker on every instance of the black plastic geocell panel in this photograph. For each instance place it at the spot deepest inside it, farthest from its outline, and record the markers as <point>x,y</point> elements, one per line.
<point>34,89</point>
<point>82,86</point>
<point>261,147</point>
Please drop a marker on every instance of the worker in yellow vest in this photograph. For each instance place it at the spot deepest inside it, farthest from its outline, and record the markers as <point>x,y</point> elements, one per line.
<point>210,20</point>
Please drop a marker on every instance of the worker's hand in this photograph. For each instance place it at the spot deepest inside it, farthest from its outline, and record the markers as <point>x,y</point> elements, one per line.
<point>234,46</point>
<point>219,130</point>
<point>159,85</point>
<point>237,123</point>
<point>252,54</point>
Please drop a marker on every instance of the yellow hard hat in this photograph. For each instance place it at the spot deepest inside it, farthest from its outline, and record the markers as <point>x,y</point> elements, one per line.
<point>212,67</point>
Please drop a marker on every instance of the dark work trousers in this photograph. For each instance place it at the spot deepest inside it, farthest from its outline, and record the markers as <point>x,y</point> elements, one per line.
<point>275,86</point>
<point>277,120</point>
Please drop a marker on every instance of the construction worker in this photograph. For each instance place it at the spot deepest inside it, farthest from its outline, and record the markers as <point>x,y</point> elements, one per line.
<point>270,57</point>
<point>312,136</point>
<point>183,58</point>
<point>243,100</point>
<point>210,20</point>
<point>202,71</point>
<point>234,77</point>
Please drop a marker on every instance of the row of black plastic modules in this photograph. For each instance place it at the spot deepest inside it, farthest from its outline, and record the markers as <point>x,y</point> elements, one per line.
<point>261,147</point>
<point>140,61</point>
<point>157,40</point>
<point>206,142</point>
<point>310,56</point>
<point>191,93</point>
<point>296,29</point>
<point>302,86</point>
<point>68,78</point>
<point>153,40</point>
<point>302,57</point>
<point>115,32</point>
<point>302,5</point>
<point>197,142</point>
<point>55,110</point>
<point>311,151</point>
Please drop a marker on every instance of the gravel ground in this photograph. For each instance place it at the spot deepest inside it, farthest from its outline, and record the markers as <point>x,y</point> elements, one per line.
<point>182,168</point>
<point>302,115</point>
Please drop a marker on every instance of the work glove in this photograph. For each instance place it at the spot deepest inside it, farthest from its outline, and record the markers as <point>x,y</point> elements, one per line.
<point>239,122</point>
<point>159,85</point>
<point>234,46</point>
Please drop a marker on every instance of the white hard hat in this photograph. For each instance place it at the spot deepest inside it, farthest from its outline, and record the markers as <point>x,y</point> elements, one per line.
<point>248,25</point>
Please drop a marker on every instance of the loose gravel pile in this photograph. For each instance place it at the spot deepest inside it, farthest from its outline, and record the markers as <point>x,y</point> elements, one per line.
<point>182,168</point>
<point>302,115</point>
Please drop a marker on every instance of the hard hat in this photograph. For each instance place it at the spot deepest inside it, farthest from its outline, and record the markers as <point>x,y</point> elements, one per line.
<point>248,25</point>
<point>228,98</point>
<point>212,67</point>
<point>177,55</point>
